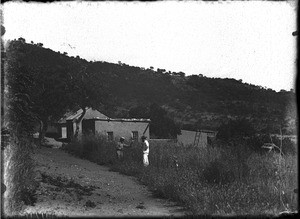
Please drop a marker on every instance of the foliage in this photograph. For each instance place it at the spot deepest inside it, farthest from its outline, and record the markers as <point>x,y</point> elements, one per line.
<point>139,112</point>
<point>85,88</point>
<point>18,124</point>
<point>161,126</point>
<point>45,85</point>
<point>17,88</point>
<point>235,129</point>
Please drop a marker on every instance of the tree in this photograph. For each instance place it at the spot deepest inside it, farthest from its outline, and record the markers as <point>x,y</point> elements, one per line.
<point>49,97</point>
<point>17,125</point>
<point>235,129</point>
<point>161,125</point>
<point>181,74</point>
<point>85,89</point>
<point>22,40</point>
<point>199,124</point>
<point>161,71</point>
<point>139,112</point>
<point>44,83</point>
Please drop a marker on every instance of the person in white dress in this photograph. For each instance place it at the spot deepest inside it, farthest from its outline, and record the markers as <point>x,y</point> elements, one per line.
<point>145,146</point>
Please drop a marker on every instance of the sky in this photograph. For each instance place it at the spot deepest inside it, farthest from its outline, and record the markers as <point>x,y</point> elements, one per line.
<point>251,41</point>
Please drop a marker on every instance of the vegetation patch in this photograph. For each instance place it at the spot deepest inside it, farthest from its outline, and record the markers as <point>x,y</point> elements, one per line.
<point>37,216</point>
<point>210,181</point>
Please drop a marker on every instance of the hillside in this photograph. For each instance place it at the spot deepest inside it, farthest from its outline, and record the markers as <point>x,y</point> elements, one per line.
<point>192,101</point>
<point>196,99</point>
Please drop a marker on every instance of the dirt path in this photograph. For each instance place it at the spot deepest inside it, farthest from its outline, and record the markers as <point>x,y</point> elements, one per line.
<point>75,187</point>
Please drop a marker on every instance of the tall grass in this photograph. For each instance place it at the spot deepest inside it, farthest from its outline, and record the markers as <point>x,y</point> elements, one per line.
<point>214,181</point>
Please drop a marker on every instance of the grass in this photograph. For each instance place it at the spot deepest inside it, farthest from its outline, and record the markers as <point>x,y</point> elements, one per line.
<point>38,216</point>
<point>207,181</point>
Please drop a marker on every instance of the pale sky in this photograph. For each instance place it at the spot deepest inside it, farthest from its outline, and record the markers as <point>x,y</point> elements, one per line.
<point>251,41</point>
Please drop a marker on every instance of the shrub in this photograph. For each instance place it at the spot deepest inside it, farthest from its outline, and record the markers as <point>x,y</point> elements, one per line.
<point>93,147</point>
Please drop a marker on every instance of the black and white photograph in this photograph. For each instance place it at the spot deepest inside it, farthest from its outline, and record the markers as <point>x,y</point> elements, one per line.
<point>149,109</point>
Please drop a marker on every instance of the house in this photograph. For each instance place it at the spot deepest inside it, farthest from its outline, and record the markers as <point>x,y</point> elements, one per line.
<point>96,122</point>
<point>203,137</point>
<point>67,125</point>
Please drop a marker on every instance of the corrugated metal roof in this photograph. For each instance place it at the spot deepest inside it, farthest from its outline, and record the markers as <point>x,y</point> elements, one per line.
<point>89,114</point>
<point>67,114</point>
<point>75,115</point>
<point>122,120</point>
<point>96,115</point>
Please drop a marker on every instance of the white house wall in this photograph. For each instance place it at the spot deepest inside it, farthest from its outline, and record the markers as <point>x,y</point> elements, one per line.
<point>121,129</point>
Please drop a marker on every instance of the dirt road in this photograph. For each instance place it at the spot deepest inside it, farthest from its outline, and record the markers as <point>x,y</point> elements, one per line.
<point>75,187</point>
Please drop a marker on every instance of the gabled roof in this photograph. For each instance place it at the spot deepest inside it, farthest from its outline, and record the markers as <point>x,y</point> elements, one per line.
<point>89,114</point>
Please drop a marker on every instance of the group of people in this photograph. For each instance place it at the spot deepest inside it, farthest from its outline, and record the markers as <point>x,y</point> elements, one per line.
<point>145,146</point>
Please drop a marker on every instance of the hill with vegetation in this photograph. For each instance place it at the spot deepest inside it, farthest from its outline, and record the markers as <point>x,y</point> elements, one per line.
<point>193,102</point>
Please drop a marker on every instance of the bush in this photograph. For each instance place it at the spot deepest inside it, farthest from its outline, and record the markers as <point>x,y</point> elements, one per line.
<point>93,147</point>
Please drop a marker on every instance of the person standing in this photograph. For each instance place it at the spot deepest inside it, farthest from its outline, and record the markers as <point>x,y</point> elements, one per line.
<point>145,146</point>
<point>120,147</point>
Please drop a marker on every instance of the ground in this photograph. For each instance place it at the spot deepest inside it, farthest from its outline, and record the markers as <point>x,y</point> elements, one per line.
<point>75,187</point>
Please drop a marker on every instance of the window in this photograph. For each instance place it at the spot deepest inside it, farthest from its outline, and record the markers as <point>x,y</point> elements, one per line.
<point>135,135</point>
<point>110,136</point>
